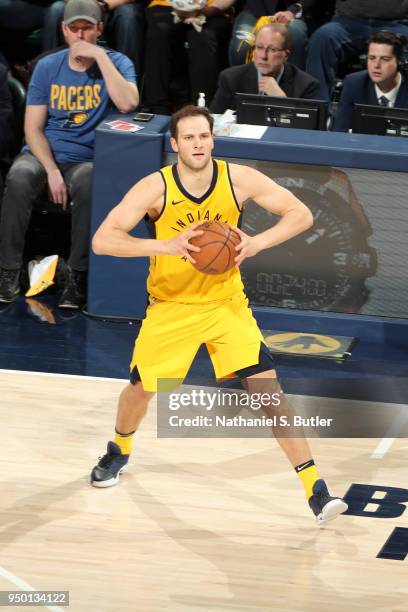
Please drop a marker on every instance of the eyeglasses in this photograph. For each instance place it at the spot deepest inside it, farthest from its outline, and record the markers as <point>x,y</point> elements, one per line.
<point>269,50</point>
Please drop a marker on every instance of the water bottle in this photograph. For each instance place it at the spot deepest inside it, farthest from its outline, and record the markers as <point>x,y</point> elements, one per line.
<point>201,100</point>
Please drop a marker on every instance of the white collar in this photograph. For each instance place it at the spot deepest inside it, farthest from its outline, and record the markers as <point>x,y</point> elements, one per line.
<point>390,95</point>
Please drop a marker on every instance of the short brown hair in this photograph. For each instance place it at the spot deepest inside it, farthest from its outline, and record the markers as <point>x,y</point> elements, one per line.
<point>396,41</point>
<point>189,111</point>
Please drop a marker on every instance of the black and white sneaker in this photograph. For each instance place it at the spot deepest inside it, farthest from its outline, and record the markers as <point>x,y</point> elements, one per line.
<point>325,507</point>
<point>73,296</point>
<point>106,473</point>
<point>9,285</point>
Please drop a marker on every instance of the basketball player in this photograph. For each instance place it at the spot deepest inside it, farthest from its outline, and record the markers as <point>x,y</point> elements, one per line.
<point>188,308</point>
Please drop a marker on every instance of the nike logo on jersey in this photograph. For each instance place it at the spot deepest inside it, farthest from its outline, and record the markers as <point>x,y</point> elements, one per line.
<point>177,202</point>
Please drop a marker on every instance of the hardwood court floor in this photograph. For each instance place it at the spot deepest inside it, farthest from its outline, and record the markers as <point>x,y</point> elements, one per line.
<point>195,525</point>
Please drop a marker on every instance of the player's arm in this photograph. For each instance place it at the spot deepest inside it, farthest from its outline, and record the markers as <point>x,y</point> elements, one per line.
<point>113,238</point>
<point>249,183</point>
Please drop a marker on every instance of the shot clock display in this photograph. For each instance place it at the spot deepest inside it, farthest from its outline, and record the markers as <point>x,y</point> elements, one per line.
<point>324,268</point>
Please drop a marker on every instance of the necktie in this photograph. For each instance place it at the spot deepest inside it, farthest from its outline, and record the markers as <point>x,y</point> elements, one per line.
<point>383,101</point>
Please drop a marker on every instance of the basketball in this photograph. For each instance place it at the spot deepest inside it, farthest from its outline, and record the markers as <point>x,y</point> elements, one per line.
<point>217,244</point>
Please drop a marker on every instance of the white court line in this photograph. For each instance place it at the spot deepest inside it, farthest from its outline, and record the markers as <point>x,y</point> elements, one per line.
<point>385,444</point>
<point>24,586</point>
<point>75,376</point>
<point>382,447</point>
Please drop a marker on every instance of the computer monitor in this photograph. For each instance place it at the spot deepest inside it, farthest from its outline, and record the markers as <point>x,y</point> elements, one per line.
<point>380,120</point>
<point>274,111</point>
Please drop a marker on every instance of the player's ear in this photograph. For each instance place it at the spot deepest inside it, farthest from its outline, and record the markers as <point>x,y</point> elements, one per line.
<point>173,143</point>
<point>100,28</point>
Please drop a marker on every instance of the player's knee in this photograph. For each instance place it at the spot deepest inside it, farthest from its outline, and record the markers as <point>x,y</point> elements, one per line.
<point>137,394</point>
<point>136,389</point>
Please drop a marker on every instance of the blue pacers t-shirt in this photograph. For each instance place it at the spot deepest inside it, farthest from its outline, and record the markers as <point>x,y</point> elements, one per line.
<point>77,102</point>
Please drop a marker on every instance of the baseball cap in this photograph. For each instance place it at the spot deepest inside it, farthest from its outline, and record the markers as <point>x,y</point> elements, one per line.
<point>82,9</point>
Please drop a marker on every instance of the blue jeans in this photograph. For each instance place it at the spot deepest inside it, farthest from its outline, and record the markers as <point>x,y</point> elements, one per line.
<point>342,36</point>
<point>21,16</point>
<point>244,24</point>
<point>124,30</point>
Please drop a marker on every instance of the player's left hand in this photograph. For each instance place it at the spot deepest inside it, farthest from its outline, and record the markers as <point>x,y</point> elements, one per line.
<point>248,247</point>
<point>284,17</point>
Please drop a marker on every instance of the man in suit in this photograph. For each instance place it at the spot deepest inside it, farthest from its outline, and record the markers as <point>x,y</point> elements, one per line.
<point>269,73</point>
<point>287,12</point>
<point>382,83</point>
<point>346,35</point>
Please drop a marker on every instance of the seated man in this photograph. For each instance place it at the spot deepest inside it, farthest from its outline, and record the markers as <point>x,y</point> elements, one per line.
<point>207,42</point>
<point>124,27</point>
<point>347,33</point>
<point>382,83</point>
<point>270,73</point>
<point>285,12</point>
<point>70,92</point>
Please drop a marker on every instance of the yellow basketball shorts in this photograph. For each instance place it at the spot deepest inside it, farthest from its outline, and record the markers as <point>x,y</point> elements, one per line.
<point>172,333</point>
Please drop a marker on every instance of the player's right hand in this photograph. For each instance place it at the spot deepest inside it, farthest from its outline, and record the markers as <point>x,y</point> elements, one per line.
<point>57,188</point>
<point>181,246</point>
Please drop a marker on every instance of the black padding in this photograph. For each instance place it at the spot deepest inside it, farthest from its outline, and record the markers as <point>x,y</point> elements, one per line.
<point>135,376</point>
<point>265,363</point>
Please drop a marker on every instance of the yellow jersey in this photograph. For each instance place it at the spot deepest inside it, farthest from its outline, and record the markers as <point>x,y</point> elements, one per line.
<point>173,278</point>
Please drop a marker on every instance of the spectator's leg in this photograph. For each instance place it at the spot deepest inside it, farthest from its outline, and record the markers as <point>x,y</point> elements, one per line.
<point>398,27</point>
<point>125,32</point>
<point>78,178</point>
<point>298,30</point>
<point>161,36</point>
<point>239,45</point>
<point>20,16</point>
<point>328,45</point>
<point>25,182</point>
<point>207,54</point>
<point>1,189</point>
<point>3,60</point>
<point>52,35</point>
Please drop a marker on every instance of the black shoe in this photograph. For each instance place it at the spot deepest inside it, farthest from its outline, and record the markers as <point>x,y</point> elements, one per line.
<point>106,473</point>
<point>325,507</point>
<point>74,292</point>
<point>9,285</point>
